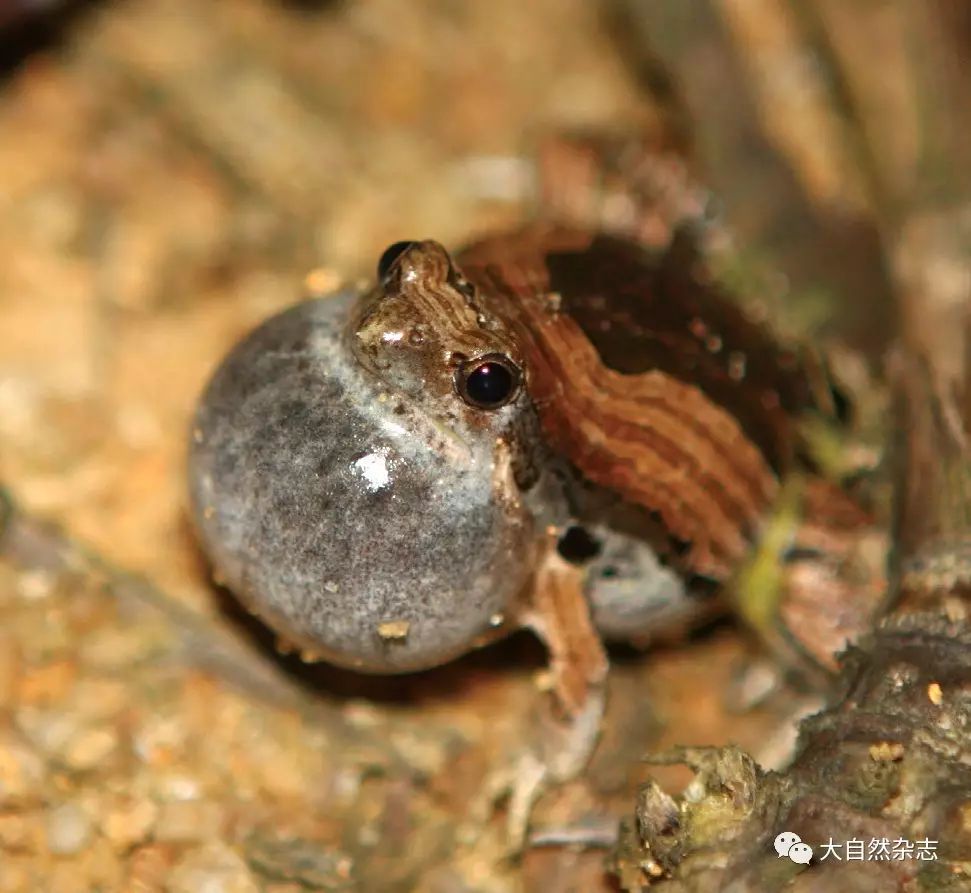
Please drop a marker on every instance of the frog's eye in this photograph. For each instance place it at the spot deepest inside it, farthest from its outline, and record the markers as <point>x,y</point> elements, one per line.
<point>391,254</point>
<point>488,382</point>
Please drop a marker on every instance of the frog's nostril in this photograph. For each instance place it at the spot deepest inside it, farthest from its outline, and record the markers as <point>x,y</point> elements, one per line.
<point>578,546</point>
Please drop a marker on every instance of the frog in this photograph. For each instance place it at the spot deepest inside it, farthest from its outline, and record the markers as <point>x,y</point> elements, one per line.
<point>569,428</point>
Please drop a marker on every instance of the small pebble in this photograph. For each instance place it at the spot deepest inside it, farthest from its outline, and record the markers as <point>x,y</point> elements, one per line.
<point>49,731</point>
<point>99,699</point>
<point>15,873</point>
<point>21,832</point>
<point>129,823</point>
<point>214,868</point>
<point>21,772</point>
<point>159,738</point>
<point>35,585</point>
<point>90,748</point>
<point>174,785</point>
<point>188,821</point>
<point>148,867</point>
<point>322,281</point>
<point>115,648</point>
<point>48,683</point>
<point>65,877</point>
<point>68,829</point>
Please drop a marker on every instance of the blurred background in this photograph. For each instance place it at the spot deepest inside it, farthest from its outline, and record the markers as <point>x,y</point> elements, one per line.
<point>172,172</point>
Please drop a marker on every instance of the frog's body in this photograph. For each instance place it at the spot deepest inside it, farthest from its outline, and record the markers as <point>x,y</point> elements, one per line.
<point>560,428</point>
<point>356,500</point>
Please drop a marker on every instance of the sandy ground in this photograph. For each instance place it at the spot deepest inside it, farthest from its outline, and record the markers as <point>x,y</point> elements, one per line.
<point>171,174</point>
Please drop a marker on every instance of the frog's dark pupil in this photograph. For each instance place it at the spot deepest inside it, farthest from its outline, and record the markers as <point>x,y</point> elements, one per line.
<point>489,383</point>
<point>391,254</point>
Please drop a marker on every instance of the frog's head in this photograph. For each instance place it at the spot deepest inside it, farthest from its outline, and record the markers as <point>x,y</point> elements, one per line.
<point>359,469</point>
<point>422,333</point>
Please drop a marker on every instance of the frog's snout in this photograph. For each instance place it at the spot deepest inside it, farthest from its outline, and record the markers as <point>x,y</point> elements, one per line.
<point>337,515</point>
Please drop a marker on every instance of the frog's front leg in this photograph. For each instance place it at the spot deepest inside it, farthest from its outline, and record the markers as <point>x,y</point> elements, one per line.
<point>558,612</point>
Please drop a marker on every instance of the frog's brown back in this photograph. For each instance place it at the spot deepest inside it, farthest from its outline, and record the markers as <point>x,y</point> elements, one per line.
<point>649,380</point>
